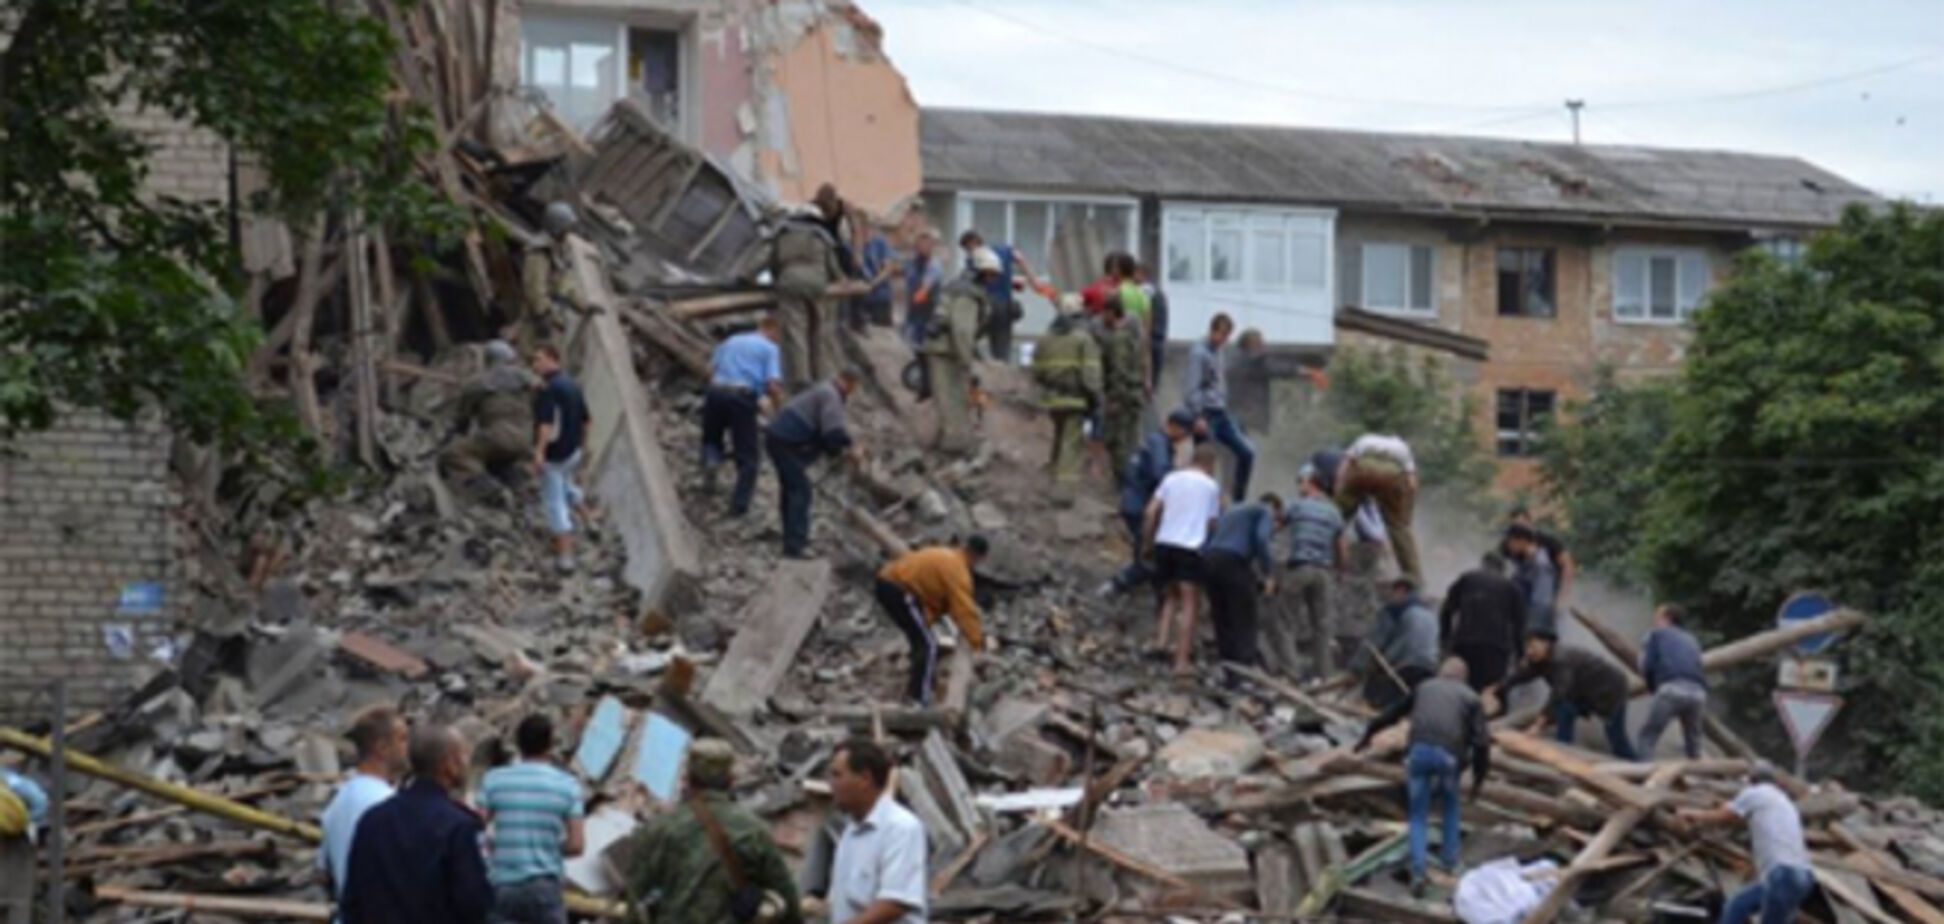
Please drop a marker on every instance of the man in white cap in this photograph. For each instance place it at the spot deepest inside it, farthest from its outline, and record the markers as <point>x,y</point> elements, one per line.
<point>951,346</point>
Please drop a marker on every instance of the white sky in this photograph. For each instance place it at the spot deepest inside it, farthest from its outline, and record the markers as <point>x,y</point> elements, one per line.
<point>1856,86</point>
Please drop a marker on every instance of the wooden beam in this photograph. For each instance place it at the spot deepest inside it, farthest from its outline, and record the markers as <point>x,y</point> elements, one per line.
<point>1517,798</point>
<point>1611,834</point>
<point>1575,766</point>
<point>1774,640</point>
<point>234,906</point>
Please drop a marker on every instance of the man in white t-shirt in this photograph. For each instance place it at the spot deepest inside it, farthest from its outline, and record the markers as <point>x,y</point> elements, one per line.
<point>1783,876</point>
<point>1179,516</point>
<point>381,737</point>
<point>1379,467</point>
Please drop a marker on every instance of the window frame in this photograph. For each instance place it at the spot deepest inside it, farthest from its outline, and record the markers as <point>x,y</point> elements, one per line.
<point>1525,436</point>
<point>624,21</point>
<point>964,200</point>
<point>1647,254</point>
<point>1552,282</point>
<point>1409,280</point>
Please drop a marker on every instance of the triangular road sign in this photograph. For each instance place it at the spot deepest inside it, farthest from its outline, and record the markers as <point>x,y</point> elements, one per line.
<point>1806,715</point>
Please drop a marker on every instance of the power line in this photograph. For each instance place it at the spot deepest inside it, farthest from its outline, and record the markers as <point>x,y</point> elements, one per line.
<point>1816,83</point>
<point>1192,71</point>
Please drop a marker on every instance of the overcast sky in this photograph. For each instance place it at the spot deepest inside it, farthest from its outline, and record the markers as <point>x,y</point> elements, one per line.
<point>1856,86</point>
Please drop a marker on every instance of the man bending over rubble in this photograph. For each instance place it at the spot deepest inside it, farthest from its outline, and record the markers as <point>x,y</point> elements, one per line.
<point>916,589</point>
<point>1784,877</point>
<point>808,428</point>
<point>1583,683</point>
<point>1447,722</point>
<point>496,416</point>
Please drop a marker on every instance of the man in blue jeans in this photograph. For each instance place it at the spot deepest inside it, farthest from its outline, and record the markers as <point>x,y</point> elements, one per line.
<point>745,368</point>
<point>1205,394</point>
<point>1582,683</point>
<point>1784,877</point>
<point>559,431</point>
<point>808,428</point>
<point>1447,720</point>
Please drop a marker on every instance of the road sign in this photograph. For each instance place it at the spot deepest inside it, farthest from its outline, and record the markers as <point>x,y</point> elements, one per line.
<point>1807,604</point>
<point>1806,715</point>
<point>1817,674</point>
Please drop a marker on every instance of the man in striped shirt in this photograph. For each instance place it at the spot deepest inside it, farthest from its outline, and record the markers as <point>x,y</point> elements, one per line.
<point>536,814</point>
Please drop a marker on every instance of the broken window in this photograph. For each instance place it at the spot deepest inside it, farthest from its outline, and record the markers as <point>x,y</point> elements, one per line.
<point>573,63</point>
<point>1397,278</point>
<point>655,74</point>
<point>1660,285</point>
<point>1522,413</point>
<point>1525,282</point>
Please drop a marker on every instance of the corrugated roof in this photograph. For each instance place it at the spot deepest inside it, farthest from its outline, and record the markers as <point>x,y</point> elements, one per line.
<point>1415,173</point>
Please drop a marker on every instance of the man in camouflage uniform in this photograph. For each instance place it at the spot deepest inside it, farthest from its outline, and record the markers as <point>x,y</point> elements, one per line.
<point>1066,366</point>
<point>806,264</point>
<point>676,875</point>
<point>497,408</point>
<point>951,346</point>
<point>1123,360</point>
<point>547,282</point>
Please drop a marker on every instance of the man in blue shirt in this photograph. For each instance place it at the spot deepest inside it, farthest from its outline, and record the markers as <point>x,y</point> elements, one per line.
<point>923,278</point>
<point>1238,563</point>
<point>810,427</point>
<point>416,857</point>
<point>381,737</point>
<point>1670,660</point>
<point>745,367</point>
<point>560,428</point>
<point>878,264</point>
<point>1144,470</point>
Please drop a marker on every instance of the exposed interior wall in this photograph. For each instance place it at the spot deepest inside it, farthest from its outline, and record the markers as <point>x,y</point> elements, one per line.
<point>841,113</point>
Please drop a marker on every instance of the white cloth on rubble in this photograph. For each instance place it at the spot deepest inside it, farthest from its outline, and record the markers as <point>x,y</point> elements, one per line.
<point>1499,892</point>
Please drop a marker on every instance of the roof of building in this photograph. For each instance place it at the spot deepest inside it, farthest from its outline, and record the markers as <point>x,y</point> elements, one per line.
<point>1423,174</point>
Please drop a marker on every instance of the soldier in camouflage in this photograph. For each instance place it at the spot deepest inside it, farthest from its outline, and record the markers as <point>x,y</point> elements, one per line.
<point>677,876</point>
<point>496,416</point>
<point>951,347</point>
<point>807,262</point>
<point>1066,366</point>
<point>1124,368</point>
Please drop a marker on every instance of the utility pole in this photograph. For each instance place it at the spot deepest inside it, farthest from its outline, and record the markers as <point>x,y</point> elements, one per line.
<point>1574,106</point>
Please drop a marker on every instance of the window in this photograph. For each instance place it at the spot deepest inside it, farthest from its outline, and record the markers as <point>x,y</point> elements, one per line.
<point>1521,414</point>
<point>1786,249</point>
<point>1224,252</point>
<point>1525,283</point>
<point>655,73</point>
<point>1397,278</point>
<point>1033,225</point>
<point>574,63</point>
<point>1306,268</point>
<point>1187,249</point>
<point>1658,286</point>
<point>1268,259</point>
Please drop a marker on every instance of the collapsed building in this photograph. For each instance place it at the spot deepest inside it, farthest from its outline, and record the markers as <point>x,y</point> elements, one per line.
<point>1058,778</point>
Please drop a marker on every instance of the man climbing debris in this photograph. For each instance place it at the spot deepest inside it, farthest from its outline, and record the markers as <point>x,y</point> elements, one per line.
<point>494,418</point>
<point>1670,660</point>
<point>1066,367</point>
<point>1582,683</point>
<point>547,279</point>
<point>1783,875</point>
<point>1536,576</point>
<point>710,860</point>
<point>1143,473</point>
<point>560,430</point>
<point>1379,467</point>
<point>810,427</point>
<point>1401,651</point>
<point>917,589</point>
<point>1205,394</point>
<point>1483,621</point>
<point>1239,563</point>
<point>745,369</point>
<point>806,264</point>
<point>1447,723</point>
<point>1318,547</point>
<point>1179,517</point>
<point>951,348</point>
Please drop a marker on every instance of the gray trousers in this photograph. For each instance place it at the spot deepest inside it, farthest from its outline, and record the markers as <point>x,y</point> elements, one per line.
<point>1302,612</point>
<point>1676,699</point>
<point>529,901</point>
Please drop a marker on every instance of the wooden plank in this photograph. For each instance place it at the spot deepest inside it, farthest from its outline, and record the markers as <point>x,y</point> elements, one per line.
<point>1590,856</point>
<point>1863,903</point>
<point>1516,798</point>
<point>1575,766</point>
<point>688,350</point>
<point>950,873</point>
<point>710,306</point>
<point>774,626</point>
<point>955,794</point>
<point>1774,640</point>
<point>265,908</point>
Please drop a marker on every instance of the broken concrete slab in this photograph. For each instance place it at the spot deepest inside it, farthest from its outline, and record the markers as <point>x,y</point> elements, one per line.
<point>774,627</point>
<point>1172,838</point>
<point>283,666</point>
<point>941,770</point>
<point>495,644</point>
<point>382,655</point>
<point>1205,752</point>
<point>1008,717</point>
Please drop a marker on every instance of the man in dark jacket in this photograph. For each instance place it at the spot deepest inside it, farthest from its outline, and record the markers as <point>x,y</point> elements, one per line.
<point>1143,473</point>
<point>416,857</point>
<point>1447,722</point>
<point>1239,565</point>
<point>1406,639</point>
<point>1482,621</point>
<point>1583,683</point>
<point>808,428</point>
<point>1670,659</point>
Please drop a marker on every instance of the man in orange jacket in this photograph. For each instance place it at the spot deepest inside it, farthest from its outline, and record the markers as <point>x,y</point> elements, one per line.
<point>919,587</point>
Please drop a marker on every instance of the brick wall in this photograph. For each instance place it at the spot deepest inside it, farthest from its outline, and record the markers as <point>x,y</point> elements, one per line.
<point>89,509</point>
<point>188,162</point>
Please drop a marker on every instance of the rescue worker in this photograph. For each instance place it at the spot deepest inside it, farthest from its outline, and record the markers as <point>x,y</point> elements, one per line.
<point>1066,366</point>
<point>1536,576</point>
<point>1380,467</point>
<point>918,588</point>
<point>1318,549</point>
<point>1238,568</point>
<point>1670,662</point>
<point>1447,724</point>
<point>1143,473</point>
<point>1125,381</point>
<point>744,370</point>
<point>806,264</point>
<point>495,415</point>
<point>1483,621</point>
<point>808,428</point>
<point>1784,876</point>
<point>1581,682</point>
<point>711,860</point>
<point>547,281</point>
<point>951,347</point>
<point>1404,647</point>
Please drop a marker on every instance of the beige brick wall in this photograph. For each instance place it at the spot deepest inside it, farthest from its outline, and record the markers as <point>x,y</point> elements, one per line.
<point>88,509</point>
<point>188,162</point>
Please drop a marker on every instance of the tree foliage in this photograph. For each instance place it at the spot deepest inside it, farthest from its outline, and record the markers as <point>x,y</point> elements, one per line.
<point>114,298</point>
<point>1598,470</point>
<point>1385,391</point>
<point>1802,447</point>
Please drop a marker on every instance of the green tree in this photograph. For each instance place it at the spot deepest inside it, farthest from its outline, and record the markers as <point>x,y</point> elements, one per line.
<point>1807,451</point>
<point>1385,391</point>
<point>1597,470</point>
<point>116,299</point>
